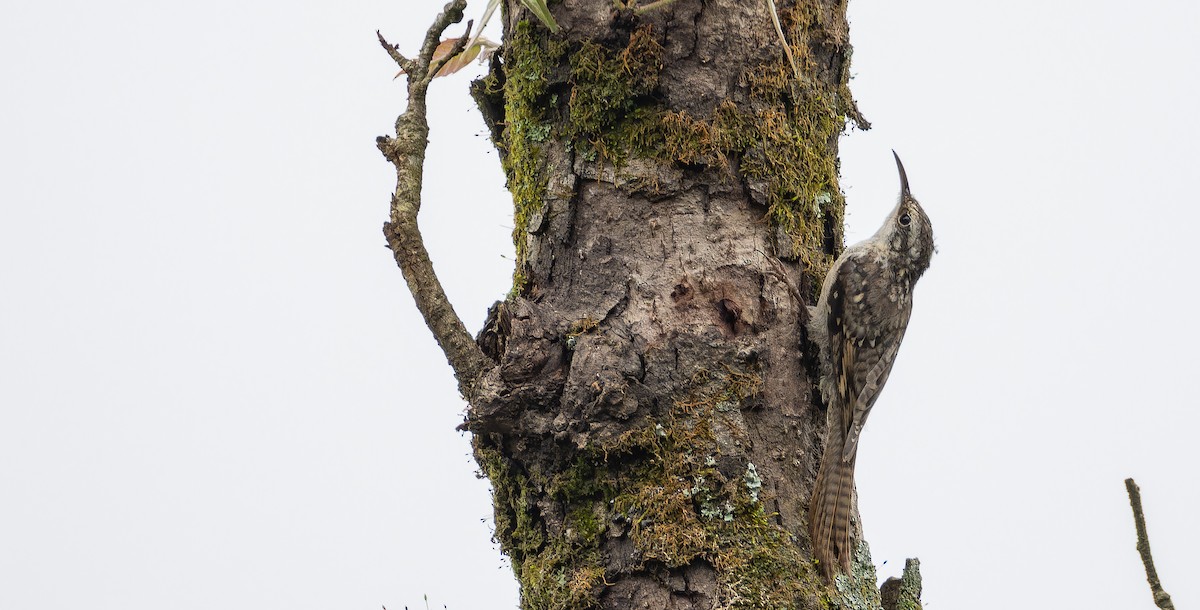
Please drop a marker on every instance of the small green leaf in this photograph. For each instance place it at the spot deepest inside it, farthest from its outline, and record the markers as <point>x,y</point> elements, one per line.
<point>540,9</point>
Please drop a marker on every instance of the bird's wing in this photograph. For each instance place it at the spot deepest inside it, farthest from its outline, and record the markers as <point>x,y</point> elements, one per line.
<point>863,348</point>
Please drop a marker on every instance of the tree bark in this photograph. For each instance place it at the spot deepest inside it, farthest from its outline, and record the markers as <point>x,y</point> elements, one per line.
<point>650,427</point>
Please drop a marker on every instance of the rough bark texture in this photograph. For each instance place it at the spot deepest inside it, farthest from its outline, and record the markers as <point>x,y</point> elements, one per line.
<point>651,430</point>
<point>903,593</point>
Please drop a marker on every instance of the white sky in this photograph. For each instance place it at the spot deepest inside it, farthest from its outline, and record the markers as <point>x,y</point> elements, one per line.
<point>215,391</point>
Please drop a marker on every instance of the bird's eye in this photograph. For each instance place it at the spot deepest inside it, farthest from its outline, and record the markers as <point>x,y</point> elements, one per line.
<point>905,219</point>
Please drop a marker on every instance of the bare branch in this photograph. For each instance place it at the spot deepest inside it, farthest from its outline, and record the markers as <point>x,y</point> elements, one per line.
<point>451,13</point>
<point>1161,599</point>
<point>406,151</point>
<point>405,63</point>
<point>464,356</point>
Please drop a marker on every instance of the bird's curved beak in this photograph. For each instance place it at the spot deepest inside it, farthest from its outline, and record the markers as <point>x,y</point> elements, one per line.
<point>903,177</point>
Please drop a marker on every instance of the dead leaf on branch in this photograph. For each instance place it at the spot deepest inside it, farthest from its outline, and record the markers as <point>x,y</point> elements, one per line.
<point>481,48</point>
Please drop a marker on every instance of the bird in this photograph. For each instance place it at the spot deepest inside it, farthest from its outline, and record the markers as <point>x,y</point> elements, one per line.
<point>858,324</point>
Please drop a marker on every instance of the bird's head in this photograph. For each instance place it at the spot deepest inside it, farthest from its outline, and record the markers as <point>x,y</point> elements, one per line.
<point>909,230</point>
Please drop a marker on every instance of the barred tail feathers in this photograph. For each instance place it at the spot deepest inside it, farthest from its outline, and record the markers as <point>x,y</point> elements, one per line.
<point>830,507</point>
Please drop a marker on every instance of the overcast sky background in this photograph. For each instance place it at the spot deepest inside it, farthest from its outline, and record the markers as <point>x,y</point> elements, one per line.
<point>215,391</point>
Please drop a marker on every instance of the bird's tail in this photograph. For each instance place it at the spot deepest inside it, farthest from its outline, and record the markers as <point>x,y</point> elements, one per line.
<point>829,510</point>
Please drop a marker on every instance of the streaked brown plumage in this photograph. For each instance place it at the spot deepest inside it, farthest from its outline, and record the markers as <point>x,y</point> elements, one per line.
<point>858,325</point>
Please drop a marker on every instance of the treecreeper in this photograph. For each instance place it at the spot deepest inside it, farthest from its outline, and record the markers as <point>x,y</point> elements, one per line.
<point>857,325</point>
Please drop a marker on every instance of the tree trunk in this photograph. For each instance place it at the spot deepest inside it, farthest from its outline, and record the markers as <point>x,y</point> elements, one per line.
<point>651,430</point>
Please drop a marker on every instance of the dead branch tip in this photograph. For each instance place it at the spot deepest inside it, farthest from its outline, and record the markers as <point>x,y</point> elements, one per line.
<point>1161,599</point>
<point>393,50</point>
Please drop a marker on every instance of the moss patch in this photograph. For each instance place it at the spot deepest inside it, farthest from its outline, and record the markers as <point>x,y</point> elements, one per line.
<point>560,572</point>
<point>680,507</point>
<point>796,130</point>
<point>659,485</point>
<point>530,59</point>
<point>609,103</point>
<point>605,85</point>
<point>783,138</point>
<point>599,100</point>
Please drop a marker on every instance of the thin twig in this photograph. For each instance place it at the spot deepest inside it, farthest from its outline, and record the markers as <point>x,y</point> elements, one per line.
<point>1161,599</point>
<point>646,8</point>
<point>451,13</point>
<point>787,48</point>
<point>407,152</point>
<point>405,63</point>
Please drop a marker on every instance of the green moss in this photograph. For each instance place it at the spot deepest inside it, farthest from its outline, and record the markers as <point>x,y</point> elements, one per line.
<point>797,129</point>
<point>681,509</point>
<point>530,59</point>
<point>562,578</point>
<point>584,525</point>
<point>783,134</point>
<point>783,138</point>
<point>608,107</point>
<point>555,573</point>
<point>658,484</point>
<point>513,506</point>
<point>604,109</point>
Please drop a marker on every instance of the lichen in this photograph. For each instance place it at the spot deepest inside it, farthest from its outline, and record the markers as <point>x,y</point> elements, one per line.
<point>581,326</point>
<point>903,593</point>
<point>753,481</point>
<point>856,590</point>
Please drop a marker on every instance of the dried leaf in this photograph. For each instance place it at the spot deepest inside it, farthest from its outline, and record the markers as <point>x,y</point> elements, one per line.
<point>480,47</point>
